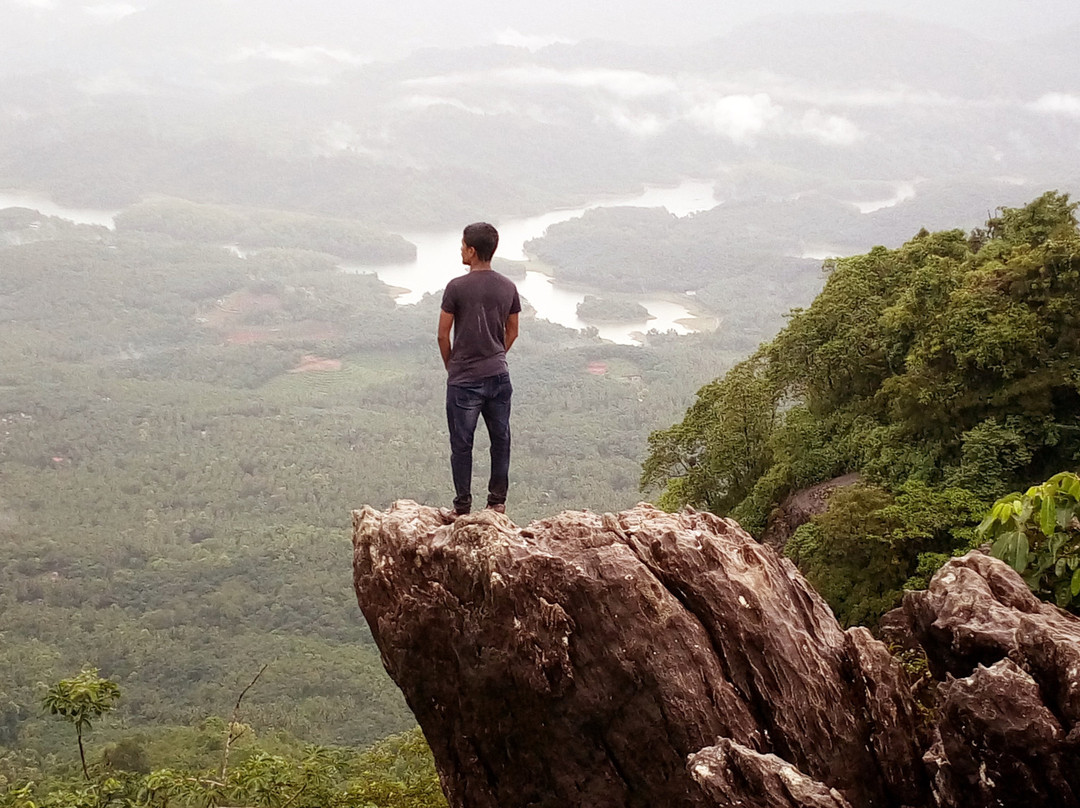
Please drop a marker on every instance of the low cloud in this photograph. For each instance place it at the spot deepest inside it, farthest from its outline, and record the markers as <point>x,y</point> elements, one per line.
<point>743,118</point>
<point>646,104</point>
<point>789,89</point>
<point>870,97</point>
<point>832,130</point>
<point>341,137</point>
<point>626,84</point>
<point>426,101</point>
<point>491,106</point>
<point>738,117</point>
<point>1058,104</point>
<point>640,125</point>
<point>111,12</point>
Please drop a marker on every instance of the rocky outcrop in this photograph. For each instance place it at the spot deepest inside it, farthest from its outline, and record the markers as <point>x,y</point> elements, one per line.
<point>654,659</point>
<point>798,507</point>
<point>1008,711</point>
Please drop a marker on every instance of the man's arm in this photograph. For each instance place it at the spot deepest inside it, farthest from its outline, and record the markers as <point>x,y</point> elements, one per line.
<point>510,332</point>
<point>446,322</point>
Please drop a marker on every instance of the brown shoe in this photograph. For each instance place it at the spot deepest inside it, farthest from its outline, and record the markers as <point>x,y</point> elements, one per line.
<point>449,515</point>
<point>497,508</point>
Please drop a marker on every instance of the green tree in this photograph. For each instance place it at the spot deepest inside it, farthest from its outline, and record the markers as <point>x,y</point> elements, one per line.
<point>1038,534</point>
<point>129,755</point>
<point>716,454</point>
<point>870,545</point>
<point>80,700</point>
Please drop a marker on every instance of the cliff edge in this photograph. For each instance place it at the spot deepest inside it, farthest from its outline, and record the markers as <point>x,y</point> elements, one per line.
<point>654,659</point>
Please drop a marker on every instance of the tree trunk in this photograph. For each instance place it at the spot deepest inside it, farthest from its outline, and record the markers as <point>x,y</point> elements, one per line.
<point>82,754</point>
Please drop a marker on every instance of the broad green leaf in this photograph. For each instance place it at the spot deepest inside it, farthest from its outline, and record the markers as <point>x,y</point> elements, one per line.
<point>986,523</point>
<point>1075,586</point>
<point>1048,516</point>
<point>1020,560</point>
<point>1024,510</point>
<point>1002,547</point>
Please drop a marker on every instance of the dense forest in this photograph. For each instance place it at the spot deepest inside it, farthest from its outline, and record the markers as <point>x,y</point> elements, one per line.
<point>945,373</point>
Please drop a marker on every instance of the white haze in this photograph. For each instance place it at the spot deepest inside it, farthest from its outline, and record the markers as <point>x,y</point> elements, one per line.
<point>70,33</point>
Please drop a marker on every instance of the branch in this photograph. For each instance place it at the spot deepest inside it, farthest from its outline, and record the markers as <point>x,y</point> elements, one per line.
<point>233,734</point>
<point>202,781</point>
<point>292,799</point>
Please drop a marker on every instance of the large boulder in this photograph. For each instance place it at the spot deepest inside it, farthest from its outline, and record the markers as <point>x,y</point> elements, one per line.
<point>582,660</point>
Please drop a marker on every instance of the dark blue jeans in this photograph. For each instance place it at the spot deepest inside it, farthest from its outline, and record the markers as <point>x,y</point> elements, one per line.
<point>465,403</point>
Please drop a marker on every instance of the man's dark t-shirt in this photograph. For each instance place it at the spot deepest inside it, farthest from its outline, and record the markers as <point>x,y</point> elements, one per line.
<point>480,302</point>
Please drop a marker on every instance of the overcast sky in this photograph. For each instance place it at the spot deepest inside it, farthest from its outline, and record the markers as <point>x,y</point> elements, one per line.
<point>643,21</point>
<point>382,30</point>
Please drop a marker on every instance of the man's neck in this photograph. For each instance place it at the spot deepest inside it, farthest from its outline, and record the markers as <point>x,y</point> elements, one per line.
<point>480,266</point>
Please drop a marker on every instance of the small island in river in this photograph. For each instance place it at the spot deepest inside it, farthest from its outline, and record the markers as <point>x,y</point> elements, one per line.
<point>595,309</point>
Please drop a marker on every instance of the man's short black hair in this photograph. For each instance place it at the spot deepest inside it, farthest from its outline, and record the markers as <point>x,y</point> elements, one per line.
<point>483,238</point>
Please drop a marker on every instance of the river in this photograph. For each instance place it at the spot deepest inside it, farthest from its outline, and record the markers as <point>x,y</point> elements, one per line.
<point>902,191</point>
<point>437,258</point>
<point>45,206</point>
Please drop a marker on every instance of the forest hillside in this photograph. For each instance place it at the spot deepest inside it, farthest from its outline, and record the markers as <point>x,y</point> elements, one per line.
<point>945,373</point>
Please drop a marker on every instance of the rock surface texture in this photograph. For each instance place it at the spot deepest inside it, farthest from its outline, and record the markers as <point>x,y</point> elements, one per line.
<point>1008,711</point>
<point>652,659</point>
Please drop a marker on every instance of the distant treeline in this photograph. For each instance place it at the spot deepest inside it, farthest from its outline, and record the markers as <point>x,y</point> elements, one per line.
<point>252,229</point>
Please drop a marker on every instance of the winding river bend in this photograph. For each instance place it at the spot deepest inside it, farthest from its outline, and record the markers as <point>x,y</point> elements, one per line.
<point>437,261</point>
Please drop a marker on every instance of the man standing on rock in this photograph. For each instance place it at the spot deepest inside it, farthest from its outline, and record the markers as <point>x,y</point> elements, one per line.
<point>482,308</point>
